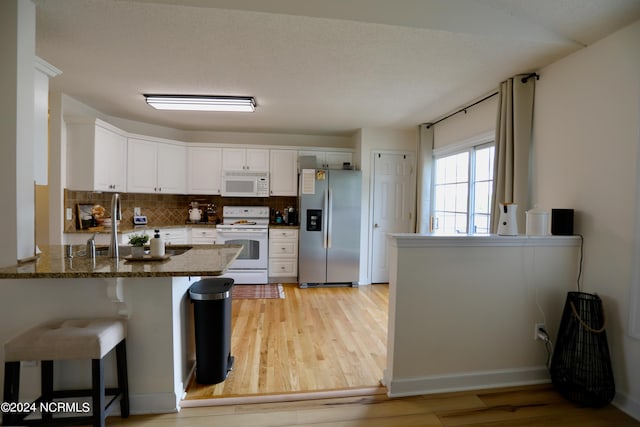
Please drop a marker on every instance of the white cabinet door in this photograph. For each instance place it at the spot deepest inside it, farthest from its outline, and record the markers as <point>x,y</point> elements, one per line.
<point>283,253</point>
<point>96,156</point>
<point>174,236</point>
<point>245,159</point>
<point>257,160</point>
<point>110,160</point>
<point>283,173</point>
<point>204,170</point>
<point>233,159</point>
<point>141,166</point>
<point>156,167</point>
<point>171,168</point>
<point>203,236</point>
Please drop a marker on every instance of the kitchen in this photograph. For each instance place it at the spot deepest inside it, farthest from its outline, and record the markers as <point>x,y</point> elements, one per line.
<point>560,145</point>
<point>207,182</point>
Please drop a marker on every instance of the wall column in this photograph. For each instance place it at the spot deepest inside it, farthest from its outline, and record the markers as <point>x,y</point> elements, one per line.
<point>17,52</point>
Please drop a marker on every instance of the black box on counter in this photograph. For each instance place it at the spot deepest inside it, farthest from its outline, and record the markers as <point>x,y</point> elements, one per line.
<point>562,222</point>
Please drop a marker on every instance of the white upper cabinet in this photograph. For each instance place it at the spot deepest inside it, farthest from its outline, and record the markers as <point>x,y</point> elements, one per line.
<point>204,171</point>
<point>172,168</point>
<point>245,159</point>
<point>96,156</point>
<point>283,173</point>
<point>156,167</point>
<point>329,159</point>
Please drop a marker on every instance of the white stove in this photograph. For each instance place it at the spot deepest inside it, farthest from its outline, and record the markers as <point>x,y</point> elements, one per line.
<point>244,218</point>
<point>249,227</point>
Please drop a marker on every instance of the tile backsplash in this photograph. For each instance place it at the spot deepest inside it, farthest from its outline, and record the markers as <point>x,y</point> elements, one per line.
<point>163,209</point>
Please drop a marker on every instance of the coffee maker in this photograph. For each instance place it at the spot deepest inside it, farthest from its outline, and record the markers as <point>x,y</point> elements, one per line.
<point>292,216</point>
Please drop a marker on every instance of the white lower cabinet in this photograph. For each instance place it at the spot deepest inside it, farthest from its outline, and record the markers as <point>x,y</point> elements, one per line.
<point>283,253</point>
<point>171,236</point>
<point>203,236</point>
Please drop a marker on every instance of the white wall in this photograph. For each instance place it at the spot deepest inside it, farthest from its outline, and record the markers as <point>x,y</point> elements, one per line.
<point>462,309</point>
<point>586,139</point>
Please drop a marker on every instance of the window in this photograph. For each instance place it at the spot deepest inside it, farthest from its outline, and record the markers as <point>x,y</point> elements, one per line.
<point>463,185</point>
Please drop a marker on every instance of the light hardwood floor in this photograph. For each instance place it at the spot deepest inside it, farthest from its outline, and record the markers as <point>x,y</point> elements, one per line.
<point>314,339</point>
<point>527,406</point>
<point>318,339</point>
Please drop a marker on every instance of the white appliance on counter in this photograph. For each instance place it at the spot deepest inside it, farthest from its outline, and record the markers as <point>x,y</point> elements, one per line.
<point>247,226</point>
<point>245,184</point>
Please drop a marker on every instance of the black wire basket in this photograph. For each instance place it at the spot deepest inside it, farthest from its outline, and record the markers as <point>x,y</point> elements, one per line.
<point>581,366</point>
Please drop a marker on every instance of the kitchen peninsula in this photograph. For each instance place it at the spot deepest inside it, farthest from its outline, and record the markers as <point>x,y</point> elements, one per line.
<point>152,296</point>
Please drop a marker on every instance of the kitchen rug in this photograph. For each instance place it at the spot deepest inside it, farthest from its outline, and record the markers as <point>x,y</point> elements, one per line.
<point>271,291</point>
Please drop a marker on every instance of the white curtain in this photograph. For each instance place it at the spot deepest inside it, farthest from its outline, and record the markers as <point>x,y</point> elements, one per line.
<point>513,145</point>
<point>423,190</point>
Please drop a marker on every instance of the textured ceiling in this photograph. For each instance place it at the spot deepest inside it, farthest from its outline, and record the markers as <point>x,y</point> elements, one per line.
<point>324,67</point>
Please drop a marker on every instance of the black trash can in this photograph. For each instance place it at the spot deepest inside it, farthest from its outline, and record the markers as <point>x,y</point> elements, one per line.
<point>211,300</point>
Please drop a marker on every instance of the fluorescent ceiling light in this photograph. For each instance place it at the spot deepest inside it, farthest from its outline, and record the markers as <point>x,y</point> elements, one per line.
<point>202,102</point>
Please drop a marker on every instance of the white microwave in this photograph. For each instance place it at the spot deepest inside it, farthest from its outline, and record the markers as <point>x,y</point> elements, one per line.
<point>245,184</point>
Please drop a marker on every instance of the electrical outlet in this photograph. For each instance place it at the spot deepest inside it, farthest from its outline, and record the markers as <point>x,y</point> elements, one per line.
<point>69,214</point>
<point>536,328</point>
<point>136,211</point>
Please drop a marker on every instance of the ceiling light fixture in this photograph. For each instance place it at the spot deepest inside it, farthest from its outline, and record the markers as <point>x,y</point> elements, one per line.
<point>202,102</point>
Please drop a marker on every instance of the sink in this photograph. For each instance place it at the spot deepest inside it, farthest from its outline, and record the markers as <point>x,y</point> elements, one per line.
<point>173,250</point>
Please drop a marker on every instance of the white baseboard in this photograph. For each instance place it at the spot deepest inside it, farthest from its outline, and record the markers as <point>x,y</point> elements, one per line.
<point>467,381</point>
<point>153,403</point>
<point>627,405</point>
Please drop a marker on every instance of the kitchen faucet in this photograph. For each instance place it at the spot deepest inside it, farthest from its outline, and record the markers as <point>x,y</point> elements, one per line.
<point>91,247</point>
<point>116,215</point>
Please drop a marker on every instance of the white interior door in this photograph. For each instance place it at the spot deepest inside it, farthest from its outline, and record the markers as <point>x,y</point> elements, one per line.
<point>393,206</point>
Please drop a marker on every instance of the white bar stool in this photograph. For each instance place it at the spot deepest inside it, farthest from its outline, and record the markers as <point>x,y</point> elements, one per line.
<point>68,340</point>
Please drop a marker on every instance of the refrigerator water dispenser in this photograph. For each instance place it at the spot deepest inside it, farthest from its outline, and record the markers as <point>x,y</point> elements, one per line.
<point>314,219</point>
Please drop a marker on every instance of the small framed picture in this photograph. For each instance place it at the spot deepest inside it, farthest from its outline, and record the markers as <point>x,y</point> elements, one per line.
<point>89,215</point>
<point>84,215</point>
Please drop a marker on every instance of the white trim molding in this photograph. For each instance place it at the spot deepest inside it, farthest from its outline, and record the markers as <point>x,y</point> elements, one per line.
<point>467,381</point>
<point>412,240</point>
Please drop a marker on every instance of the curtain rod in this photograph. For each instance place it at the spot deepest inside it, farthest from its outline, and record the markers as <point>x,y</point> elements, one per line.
<point>524,79</point>
<point>462,109</point>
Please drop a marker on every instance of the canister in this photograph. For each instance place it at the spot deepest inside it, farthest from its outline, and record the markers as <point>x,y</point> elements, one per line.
<point>537,222</point>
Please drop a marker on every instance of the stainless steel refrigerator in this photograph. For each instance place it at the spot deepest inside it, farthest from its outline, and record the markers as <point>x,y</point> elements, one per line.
<point>329,251</point>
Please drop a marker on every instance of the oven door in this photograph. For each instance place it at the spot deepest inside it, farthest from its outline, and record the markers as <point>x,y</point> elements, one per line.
<point>255,247</point>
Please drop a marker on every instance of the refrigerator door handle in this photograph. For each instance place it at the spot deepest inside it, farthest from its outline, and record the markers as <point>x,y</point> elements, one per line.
<point>325,233</point>
<point>330,215</point>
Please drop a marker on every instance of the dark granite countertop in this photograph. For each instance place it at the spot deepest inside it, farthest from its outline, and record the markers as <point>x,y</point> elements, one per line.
<point>199,260</point>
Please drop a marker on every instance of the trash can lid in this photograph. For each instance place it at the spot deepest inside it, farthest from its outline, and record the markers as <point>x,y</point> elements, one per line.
<point>213,288</point>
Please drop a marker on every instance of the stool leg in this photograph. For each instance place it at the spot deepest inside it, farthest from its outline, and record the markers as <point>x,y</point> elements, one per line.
<point>11,388</point>
<point>46,385</point>
<point>123,382</point>
<point>98,392</point>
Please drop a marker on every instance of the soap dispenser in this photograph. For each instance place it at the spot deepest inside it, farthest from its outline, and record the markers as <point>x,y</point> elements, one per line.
<point>157,245</point>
